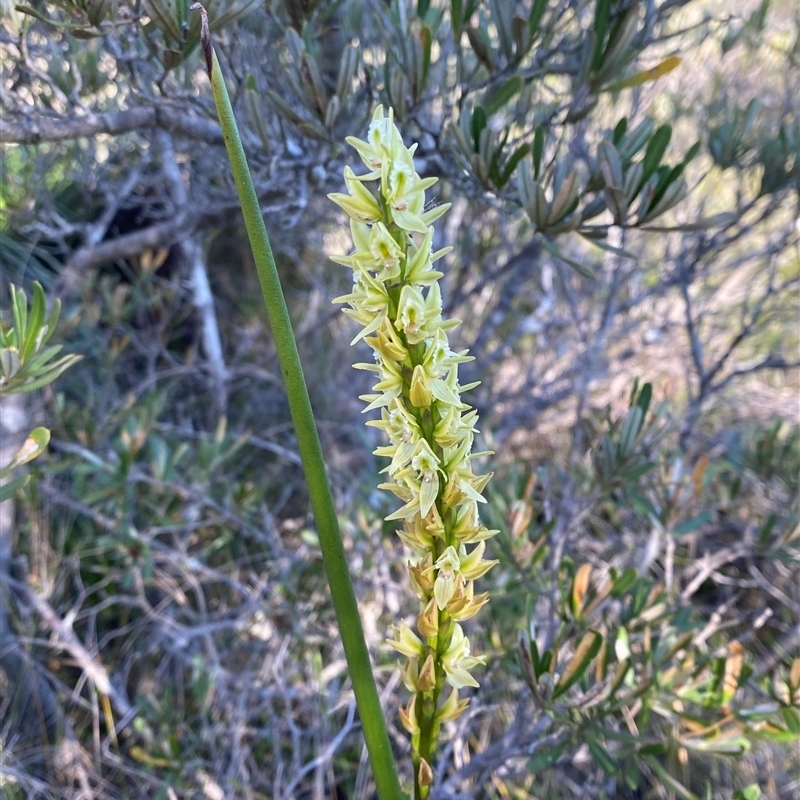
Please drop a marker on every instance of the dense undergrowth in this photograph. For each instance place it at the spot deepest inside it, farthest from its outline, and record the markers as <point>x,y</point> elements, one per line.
<point>167,628</point>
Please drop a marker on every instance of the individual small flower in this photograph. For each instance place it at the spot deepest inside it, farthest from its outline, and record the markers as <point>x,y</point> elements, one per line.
<point>444,586</point>
<point>359,204</point>
<point>408,716</point>
<point>385,251</point>
<point>421,575</point>
<point>473,566</point>
<point>457,661</point>
<point>426,465</point>
<point>411,313</point>
<point>465,603</point>
<point>415,536</point>
<point>409,672</point>
<point>452,708</point>
<point>381,141</point>
<point>419,267</point>
<point>404,191</point>
<point>405,641</point>
<point>387,343</point>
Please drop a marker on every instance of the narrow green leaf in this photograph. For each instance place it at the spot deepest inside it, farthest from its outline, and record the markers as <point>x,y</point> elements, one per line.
<point>97,10</point>
<point>791,717</point>
<point>35,321</point>
<point>604,759</point>
<point>669,780</point>
<point>624,582</point>
<point>666,177</point>
<point>656,148</point>
<point>511,164</point>
<point>9,489</point>
<point>720,746</point>
<point>481,46</point>
<point>456,19</point>
<point>19,303</point>
<point>630,430</point>
<point>645,396</point>
<point>478,124</point>
<point>502,95</point>
<point>722,220</point>
<point>75,30</point>
<point>618,52</point>
<point>578,266</point>
<point>52,321</point>
<point>162,15</point>
<point>501,17</point>
<point>692,152</point>
<point>619,131</point>
<point>602,15</point>
<point>541,761</point>
<point>609,248</point>
<point>335,558</point>
<point>775,734</point>
<point>766,530</point>
<point>631,774</point>
<point>693,523</point>
<point>537,12</point>
<point>758,19</point>
<point>619,676</point>
<point>46,377</point>
<point>538,149</point>
<point>426,38</point>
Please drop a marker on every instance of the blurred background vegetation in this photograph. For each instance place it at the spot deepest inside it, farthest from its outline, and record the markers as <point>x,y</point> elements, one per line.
<point>625,180</point>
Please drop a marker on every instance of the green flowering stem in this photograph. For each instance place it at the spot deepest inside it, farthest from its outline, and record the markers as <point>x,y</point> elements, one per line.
<point>333,553</point>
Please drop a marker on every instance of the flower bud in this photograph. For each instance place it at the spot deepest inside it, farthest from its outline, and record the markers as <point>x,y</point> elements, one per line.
<point>459,598</point>
<point>409,672</point>
<point>428,620</point>
<point>452,493</point>
<point>421,575</point>
<point>420,392</point>
<point>425,774</point>
<point>427,675</point>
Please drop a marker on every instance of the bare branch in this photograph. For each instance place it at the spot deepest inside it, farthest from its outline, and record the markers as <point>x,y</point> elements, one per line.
<point>73,645</point>
<point>39,128</point>
<point>162,234</point>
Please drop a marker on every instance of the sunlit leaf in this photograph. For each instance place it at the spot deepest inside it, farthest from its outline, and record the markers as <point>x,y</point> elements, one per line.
<point>580,586</point>
<point>34,446</point>
<point>645,76</point>
<point>576,668</point>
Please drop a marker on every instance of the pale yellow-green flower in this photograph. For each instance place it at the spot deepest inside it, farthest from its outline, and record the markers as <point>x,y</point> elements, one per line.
<point>457,661</point>
<point>397,302</point>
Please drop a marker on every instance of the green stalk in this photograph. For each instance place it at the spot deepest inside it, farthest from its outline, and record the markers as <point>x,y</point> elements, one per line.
<point>333,553</point>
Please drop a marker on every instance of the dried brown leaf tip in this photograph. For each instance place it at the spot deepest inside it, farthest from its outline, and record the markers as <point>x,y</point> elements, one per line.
<point>205,35</point>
